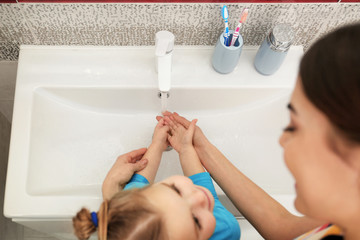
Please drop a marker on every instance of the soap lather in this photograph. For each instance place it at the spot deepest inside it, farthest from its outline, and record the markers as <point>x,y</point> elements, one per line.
<point>273,49</point>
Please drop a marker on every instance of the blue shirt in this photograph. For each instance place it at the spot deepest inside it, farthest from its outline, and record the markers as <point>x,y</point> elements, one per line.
<point>226,227</point>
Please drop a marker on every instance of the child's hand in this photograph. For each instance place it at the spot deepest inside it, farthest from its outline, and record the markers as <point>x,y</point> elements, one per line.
<point>180,138</point>
<point>161,134</point>
<point>199,139</point>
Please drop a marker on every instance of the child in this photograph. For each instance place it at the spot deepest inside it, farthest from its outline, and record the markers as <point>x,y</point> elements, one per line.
<point>176,208</point>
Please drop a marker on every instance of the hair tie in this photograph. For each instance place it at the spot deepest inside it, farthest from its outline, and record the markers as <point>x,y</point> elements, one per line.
<point>94,219</point>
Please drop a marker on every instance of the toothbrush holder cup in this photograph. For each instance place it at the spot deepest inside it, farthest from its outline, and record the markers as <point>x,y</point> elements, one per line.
<point>225,58</point>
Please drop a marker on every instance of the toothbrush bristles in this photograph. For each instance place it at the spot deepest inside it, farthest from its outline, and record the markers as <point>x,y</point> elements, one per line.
<point>244,15</point>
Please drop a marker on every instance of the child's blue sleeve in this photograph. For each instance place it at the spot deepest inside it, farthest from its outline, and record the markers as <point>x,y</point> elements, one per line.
<point>227,227</point>
<point>136,181</point>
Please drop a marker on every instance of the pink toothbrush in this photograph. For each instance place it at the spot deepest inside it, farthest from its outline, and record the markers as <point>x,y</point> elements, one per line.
<point>244,15</point>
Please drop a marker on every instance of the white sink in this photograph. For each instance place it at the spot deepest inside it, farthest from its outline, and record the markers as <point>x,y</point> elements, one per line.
<point>78,108</point>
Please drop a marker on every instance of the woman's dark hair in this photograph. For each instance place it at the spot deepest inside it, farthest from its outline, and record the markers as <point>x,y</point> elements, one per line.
<point>330,75</point>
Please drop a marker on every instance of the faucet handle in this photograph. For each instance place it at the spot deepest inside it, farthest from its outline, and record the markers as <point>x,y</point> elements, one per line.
<point>164,43</point>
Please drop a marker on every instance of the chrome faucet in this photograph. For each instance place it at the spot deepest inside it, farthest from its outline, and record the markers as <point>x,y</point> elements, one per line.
<point>164,44</point>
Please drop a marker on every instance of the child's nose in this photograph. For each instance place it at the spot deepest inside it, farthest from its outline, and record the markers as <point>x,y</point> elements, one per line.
<point>198,199</point>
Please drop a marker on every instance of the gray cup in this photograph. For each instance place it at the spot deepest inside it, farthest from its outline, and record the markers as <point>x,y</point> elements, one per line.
<point>224,58</point>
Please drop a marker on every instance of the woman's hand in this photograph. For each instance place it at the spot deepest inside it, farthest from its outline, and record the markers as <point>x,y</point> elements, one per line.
<point>199,139</point>
<point>121,172</point>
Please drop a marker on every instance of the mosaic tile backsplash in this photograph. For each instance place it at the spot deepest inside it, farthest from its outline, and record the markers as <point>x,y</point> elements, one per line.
<point>137,23</point>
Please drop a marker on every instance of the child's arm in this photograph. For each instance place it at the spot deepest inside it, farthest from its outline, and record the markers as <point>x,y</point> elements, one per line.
<point>181,140</point>
<point>155,150</point>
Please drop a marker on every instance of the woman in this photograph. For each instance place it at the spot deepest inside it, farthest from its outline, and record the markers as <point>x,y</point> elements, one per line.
<point>321,149</point>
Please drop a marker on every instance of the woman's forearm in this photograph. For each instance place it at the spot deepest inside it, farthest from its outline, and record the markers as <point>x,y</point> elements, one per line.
<point>270,218</point>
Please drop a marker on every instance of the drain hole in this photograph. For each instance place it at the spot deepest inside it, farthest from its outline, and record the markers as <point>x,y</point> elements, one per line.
<point>167,94</point>
<point>169,148</point>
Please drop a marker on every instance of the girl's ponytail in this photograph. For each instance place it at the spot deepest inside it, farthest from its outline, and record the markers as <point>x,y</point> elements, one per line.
<point>83,224</point>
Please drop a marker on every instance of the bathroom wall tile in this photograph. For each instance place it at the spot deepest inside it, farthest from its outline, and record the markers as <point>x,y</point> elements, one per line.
<point>115,24</point>
<point>4,146</point>
<point>137,23</point>
<point>7,88</point>
<point>7,80</point>
<point>193,24</point>
<point>179,1</point>
<point>13,31</point>
<point>9,51</point>
<point>13,25</point>
<point>6,108</point>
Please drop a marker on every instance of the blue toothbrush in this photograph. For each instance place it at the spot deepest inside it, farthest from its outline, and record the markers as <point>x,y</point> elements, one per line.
<point>225,16</point>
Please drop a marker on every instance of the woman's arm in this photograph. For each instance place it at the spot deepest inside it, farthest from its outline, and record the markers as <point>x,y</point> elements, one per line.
<point>270,218</point>
<point>122,171</point>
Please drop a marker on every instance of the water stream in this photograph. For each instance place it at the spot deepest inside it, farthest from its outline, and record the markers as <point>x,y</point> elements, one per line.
<point>164,102</point>
<point>164,97</point>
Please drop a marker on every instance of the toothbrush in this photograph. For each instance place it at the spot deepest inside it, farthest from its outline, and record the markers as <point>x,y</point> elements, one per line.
<point>243,17</point>
<point>225,16</point>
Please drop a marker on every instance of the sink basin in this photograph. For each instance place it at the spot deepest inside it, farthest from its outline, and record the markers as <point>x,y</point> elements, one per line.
<point>76,133</point>
<point>77,108</point>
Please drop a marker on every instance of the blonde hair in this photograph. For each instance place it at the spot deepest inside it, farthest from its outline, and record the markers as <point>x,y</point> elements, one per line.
<point>128,215</point>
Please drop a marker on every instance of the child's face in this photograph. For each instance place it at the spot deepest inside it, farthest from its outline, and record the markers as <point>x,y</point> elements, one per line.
<point>187,208</point>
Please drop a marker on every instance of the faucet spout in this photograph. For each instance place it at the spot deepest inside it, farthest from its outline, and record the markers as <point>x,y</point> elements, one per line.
<point>163,50</point>
<point>164,72</point>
